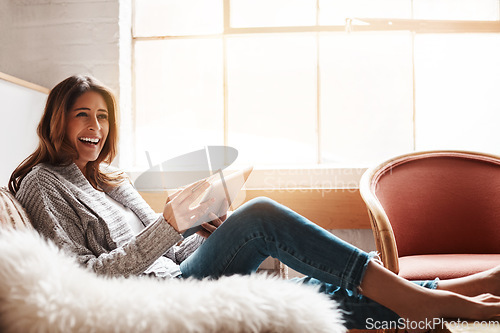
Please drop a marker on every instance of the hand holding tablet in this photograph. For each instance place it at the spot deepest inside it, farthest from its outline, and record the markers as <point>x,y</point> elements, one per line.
<point>223,188</point>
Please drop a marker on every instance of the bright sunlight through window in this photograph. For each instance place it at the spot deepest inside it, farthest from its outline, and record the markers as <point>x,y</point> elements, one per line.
<point>300,83</point>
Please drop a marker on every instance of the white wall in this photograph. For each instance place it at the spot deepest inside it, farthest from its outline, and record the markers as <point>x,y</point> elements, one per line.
<point>45,41</point>
<point>21,111</point>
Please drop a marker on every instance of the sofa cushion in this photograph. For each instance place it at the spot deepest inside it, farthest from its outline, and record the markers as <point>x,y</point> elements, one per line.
<point>12,214</point>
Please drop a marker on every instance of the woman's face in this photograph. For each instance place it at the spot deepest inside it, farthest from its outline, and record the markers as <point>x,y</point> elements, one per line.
<point>87,127</point>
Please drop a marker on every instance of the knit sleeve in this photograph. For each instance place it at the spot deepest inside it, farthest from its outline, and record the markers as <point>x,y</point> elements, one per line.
<point>126,194</point>
<point>179,253</point>
<point>57,214</point>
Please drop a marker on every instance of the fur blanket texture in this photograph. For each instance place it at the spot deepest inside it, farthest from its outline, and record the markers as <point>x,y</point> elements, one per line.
<point>44,290</point>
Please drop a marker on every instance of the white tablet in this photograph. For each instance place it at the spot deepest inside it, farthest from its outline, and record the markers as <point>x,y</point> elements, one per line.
<point>225,187</point>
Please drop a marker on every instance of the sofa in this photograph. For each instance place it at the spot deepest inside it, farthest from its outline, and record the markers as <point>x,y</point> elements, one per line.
<point>43,289</point>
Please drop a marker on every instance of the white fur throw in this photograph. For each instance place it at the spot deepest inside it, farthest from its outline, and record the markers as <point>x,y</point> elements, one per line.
<point>44,290</point>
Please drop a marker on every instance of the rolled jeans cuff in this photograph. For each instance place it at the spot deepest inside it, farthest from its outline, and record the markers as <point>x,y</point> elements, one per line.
<point>430,284</point>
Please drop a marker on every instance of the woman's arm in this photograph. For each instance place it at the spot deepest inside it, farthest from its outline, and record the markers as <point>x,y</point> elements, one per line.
<point>59,216</point>
<point>179,253</point>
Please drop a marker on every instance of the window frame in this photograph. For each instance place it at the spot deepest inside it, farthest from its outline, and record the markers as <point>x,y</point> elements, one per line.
<point>352,25</point>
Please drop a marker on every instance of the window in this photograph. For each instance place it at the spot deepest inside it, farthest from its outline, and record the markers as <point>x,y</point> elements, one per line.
<point>315,82</point>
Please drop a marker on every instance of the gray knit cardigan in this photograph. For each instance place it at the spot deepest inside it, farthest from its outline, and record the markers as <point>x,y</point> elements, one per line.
<point>64,207</point>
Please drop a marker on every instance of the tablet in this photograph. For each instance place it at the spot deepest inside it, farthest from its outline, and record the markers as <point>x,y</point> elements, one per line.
<point>225,187</point>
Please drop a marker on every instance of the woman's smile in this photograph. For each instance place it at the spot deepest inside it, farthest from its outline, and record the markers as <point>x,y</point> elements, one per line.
<point>87,127</point>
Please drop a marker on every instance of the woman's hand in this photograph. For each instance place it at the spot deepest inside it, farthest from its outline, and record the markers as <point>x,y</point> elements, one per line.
<point>177,211</point>
<point>209,227</point>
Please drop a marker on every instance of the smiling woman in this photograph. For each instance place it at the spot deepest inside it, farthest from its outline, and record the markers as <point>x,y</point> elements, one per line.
<point>111,230</point>
<point>87,127</point>
<point>78,125</point>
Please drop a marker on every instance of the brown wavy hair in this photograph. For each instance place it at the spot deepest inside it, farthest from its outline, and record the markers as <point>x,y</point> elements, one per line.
<point>53,147</point>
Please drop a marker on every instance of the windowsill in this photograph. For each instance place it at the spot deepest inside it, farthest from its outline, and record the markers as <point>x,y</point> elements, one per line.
<point>324,196</point>
<point>317,177</point>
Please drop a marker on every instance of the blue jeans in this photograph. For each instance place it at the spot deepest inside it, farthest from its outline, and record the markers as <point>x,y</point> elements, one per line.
<point>262,228</point>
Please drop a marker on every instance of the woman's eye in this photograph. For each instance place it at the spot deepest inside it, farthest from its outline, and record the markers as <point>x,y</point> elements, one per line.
<point>81,114</point>
<point>103,116</point>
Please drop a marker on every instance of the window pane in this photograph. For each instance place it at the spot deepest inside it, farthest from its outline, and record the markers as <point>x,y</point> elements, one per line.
<point>458,92</point>
<point>456,9</point>
<point>272,13</point>
<point>179,97</point>
<point>272,98</point>
<point>335,12</point>
<point>177,18</point>
<point>366,96</point>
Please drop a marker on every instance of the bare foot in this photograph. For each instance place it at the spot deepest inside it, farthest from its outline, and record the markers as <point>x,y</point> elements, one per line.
<point>492,278</point>
<point>428,312</point>
<point>476,284</point>
<point>418,305</point>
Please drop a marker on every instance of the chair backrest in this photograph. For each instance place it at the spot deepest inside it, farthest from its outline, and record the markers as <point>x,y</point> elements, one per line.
<point>439,201</point>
